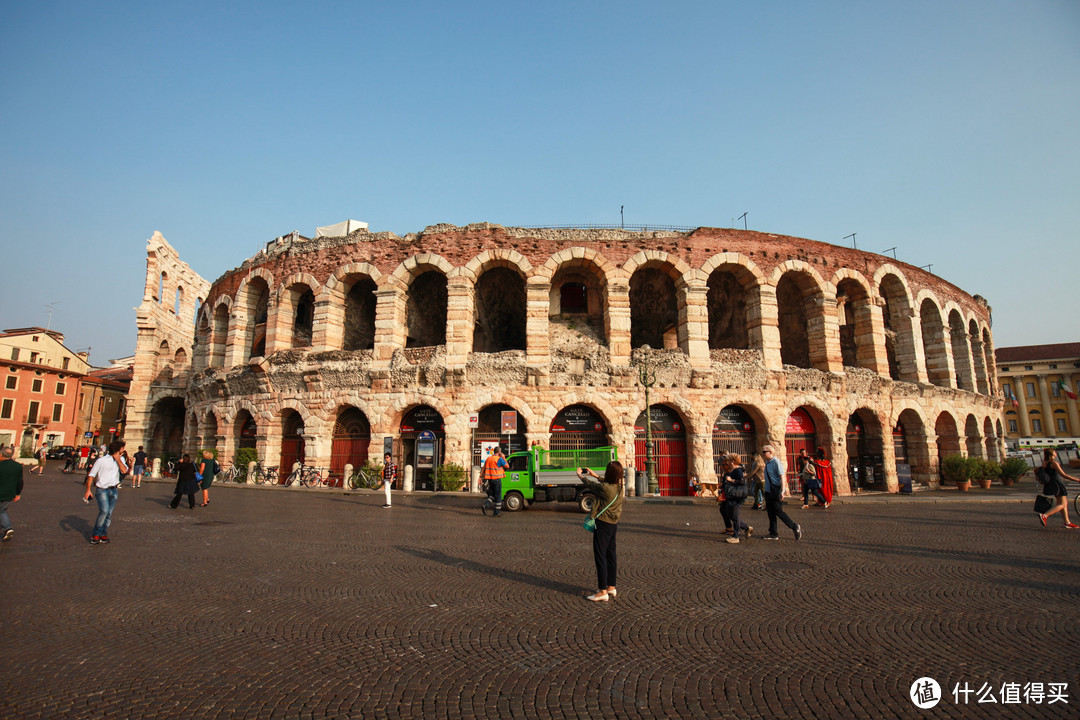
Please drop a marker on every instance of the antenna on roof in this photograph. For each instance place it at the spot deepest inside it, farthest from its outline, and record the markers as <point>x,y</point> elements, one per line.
<point>743,218</point>
<point>852,236</point>
<point>892,250</point>
<point>50,306</point>
<point>927,267</point>
<point>622,223</point>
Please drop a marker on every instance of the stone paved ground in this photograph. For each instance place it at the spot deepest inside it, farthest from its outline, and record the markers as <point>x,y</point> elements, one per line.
<point>305,604</point>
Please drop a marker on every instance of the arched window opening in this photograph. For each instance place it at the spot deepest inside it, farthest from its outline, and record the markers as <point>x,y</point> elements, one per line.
<point>179,300</point>
<point>794,293</point>
<point>961,359</point>
<point>359,331</point>
<point>654,309</point>
<point>573,298</point>
<point>425,310</point>
<point>499,311</point>
<point>726,301</point>
<point>303,317</point>
<point>352,439</point>
<point>933,334</point>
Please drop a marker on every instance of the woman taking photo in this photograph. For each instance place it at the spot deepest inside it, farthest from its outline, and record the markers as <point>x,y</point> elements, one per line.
<point>1055,487</point>
<point>606,511</point>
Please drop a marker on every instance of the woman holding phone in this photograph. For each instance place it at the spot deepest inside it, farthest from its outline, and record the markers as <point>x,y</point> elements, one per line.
<point>607,508</point>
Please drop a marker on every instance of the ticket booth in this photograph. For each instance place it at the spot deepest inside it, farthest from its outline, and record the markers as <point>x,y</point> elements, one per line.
<point>422,444</point>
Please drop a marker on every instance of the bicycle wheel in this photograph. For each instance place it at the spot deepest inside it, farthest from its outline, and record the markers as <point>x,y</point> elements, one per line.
<point>1076,504</point>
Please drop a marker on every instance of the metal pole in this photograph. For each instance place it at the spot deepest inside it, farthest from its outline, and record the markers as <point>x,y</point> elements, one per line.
<point>647,381</point>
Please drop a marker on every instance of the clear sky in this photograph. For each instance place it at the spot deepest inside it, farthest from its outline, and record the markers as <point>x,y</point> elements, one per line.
<point>949,130</point>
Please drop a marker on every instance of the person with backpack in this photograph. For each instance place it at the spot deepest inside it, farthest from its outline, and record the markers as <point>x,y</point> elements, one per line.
<point>1050,475</point>
<point>774,495</point>
<point>811,484</point>
<point>735,492</point>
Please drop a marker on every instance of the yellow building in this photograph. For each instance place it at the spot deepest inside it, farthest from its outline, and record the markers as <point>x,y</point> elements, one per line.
<point>1040,384</point>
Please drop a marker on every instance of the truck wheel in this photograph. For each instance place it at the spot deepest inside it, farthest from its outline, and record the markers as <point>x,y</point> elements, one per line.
<point>586,502</point>
<point>513,501</point>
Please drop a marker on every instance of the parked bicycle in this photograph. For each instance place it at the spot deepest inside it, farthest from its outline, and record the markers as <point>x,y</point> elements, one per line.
<point>307,476</point>
<point>263,476</point>
<point>168,469</point>
<point>364,477</point>
<point>234,473</point>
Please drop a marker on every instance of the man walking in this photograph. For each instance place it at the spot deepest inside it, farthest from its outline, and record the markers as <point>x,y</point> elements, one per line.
<point>774,495</point>
<point>11,487</point>
<point>104,478</point>
<point>140,468</point>
<point>42,456</point>
<point>389,475</point>
<point>494,472</point>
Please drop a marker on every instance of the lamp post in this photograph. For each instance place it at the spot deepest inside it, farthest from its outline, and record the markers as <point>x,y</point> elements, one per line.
<point>647,380</point>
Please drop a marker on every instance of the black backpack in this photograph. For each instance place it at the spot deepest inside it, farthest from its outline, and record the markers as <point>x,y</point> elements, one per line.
<point>1041,475</point>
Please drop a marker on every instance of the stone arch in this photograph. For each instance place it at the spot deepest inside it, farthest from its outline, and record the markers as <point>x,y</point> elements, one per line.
<point>656,283</point>
<point>733,302</point>
<point>425,279</point>
<point>413,266</point>
<point>947,437</point>
<point>934,345</point>
<point>295,312</point>
<point>502,257</point>
<point>499,307</point>
<point>991,368</point>
<point>730,435</point>
<point>973,437</point>
<point>251,313</point>
<point>587,274</point>
<point>346,308</point>
<point>977,356</point>
<point>960,349</point>
<point>865,450</point>
<point>911,445</point>
<point>350,440</point>
<point>990,439</point>
<point>855,313</point>
<point>800,303</point>
<point>897,311</point>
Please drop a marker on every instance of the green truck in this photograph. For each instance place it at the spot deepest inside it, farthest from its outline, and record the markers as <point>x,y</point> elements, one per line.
<point>539,475</point>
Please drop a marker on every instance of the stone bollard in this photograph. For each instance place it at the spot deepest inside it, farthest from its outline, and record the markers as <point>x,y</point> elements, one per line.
<point>407,484</point>
<point>628,478</point>
<point>474,479</point>
<point>296,479</point>
<point>155,470</point>
<point>251,473</point>
<point>346,473</point>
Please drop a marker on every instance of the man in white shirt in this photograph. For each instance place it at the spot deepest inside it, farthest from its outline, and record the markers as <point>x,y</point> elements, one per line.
<point>103,483</point>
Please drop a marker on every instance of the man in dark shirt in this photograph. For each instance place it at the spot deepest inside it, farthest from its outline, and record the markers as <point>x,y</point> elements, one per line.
<point>140,468</point>
<point>11,487</point>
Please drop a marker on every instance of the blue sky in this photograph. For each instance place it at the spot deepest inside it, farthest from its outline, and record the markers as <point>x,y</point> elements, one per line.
<point>950,130</point>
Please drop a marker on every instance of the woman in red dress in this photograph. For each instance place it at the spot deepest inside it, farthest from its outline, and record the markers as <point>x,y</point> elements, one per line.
<point>824,473</point>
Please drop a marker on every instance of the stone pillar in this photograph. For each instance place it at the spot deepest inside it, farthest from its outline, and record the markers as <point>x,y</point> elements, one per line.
<point>1020,393</point>
<point>909,349</point>
<point>769,325</point>
<point>460,300</point>
<point>1047,413</point>
<point>328,326</point>
<point>390,324</point>
<point>958,343</point>
<point>279,312</point>
<point>823,334</point>
<point>870,339</point>
<point>538,341</point>
<point>694,324</point>
<point>239,336</point>
<point>979,360</point>
<point>1071,407</point>
<point>618,313</point>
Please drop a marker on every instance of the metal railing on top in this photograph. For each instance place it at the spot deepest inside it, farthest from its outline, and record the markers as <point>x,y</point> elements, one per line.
<point>615,226</point>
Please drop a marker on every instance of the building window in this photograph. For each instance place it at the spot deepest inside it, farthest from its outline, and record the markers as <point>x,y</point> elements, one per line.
<point>31,414</point>
<point>35,386</point>
<point>61,388</point>
<point>1036,425</point>
<point>7,409</point>
<point>65,363</point>
<point>14,353</point>
<point>34,357</point>
<point>1004,368</point>
<point>1055,390</point>
<point>1030,389</point>
<point>1012,427</point>
<point>12,382</point>
<point>1061,425</point>
<point>1027,367</point>
<point>1007,389</point>
<point>101,404</point>
<point>57,412</point>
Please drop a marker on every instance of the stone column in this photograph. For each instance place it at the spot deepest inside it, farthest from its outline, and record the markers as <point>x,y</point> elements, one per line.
<point>823,334</point>
<point>538,350</point>
<point>238,338</point>
<point>618,314</point>
<point>870,339</point>
<point>460,304</point>
<point>1071,407</point>
<point>279,312</point>
<point>694,324</point>
<point>1020,393</point>
<point>390,324</point>
<point>909,349</point>
<point>328,327</point>
<point>769,326</point>
<point>1047,412</point>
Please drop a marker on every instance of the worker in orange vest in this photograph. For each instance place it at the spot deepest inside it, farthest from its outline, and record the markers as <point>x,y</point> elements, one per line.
<point>494,472</point>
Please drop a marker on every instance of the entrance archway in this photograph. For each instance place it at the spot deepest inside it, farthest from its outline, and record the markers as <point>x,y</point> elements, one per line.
<point>246,431</point>
<point>578,427</point>
<point>912,453</point>
<point>948,438</point>
<point>349,446</point>
<point>733,432</point>
<point>292,443</point>
<point>492,428</point>
<point>669,449</point>
<point>422,439</point>
<point>167,417</point>
<point>866,461</point>
<point>800,433</point>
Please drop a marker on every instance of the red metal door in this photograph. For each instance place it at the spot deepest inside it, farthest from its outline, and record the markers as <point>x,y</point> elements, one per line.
<point>669,452</point>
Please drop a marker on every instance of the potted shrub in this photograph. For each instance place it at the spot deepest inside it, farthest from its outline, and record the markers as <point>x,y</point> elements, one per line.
<point>986,471</point>
<point>451,476</point>
<point>1011,470</point>
<point>957,469</point>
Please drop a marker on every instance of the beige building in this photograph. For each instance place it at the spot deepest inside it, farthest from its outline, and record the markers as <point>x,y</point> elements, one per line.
<point>1036,382</point>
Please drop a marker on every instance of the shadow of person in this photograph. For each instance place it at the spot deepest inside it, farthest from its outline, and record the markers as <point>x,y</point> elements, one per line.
<point>77,523</point>
<point>501,573</point>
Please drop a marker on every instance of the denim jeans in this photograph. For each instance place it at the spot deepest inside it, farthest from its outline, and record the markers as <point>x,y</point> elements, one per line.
<point>5,521</point>
<point>106,502</point>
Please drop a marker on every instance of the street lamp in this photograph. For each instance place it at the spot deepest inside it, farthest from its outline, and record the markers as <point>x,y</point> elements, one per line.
<point>647,380</point>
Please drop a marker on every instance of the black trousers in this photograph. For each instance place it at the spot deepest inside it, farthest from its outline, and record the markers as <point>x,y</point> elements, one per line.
<point>725,512</point>
<point>603,547</point>
<point>806,492</point>
<point>775,509</point>
<point>176,500</point>
<point>736,520</point>
<point>494,492</point>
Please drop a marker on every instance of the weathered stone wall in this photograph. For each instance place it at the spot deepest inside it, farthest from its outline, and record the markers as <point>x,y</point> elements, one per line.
<point>591,358</point>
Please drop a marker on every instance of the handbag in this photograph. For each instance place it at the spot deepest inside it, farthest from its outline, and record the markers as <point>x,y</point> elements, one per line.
<point>736,492</point>
<point>1042,504</point>
<point>590,522</point>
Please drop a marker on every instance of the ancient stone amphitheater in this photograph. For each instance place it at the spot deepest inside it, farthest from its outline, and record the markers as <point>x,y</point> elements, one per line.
<point>332,349</point>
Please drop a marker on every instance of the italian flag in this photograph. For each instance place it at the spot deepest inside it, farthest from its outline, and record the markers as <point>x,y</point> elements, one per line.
<point>1065,389</point>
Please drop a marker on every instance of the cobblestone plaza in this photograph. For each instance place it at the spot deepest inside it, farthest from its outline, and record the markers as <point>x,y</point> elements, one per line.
<point>310,604</point>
